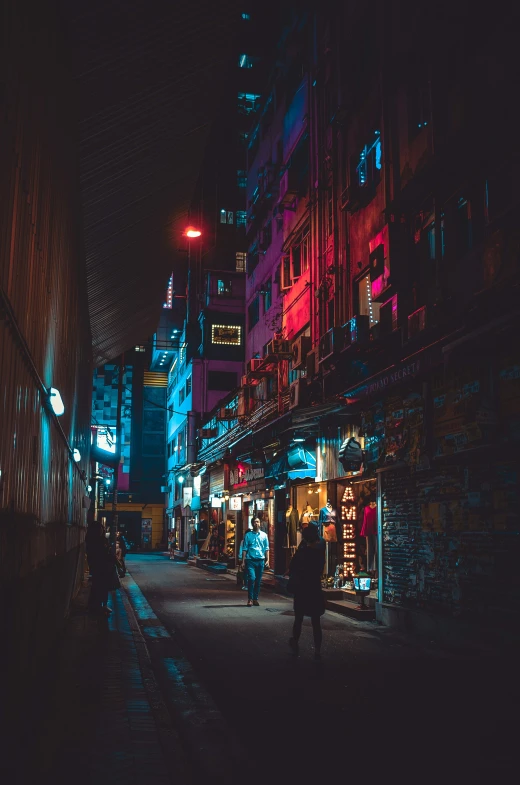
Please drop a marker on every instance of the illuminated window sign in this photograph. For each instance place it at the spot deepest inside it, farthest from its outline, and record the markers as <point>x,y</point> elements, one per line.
<point>226,334</point>
<point>106,440</point>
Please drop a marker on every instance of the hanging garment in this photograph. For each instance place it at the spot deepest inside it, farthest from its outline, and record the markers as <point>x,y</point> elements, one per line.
<point>306,518</point>
<point>329,532</point>
<point>369,526</point>
<point>291,522</point>
<point>328,515</point>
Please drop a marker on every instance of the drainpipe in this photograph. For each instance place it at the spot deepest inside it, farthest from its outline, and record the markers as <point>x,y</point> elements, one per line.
<point>338,255</point>
<point>119,446</point>
<point>313,277</point>
<point>191,445</point>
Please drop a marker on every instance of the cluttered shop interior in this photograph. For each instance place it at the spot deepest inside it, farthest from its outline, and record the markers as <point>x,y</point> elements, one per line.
<point>346,513</point>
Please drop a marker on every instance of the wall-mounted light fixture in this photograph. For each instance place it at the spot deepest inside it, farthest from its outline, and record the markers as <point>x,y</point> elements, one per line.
<point>76,455</point>
<point>56,402</point>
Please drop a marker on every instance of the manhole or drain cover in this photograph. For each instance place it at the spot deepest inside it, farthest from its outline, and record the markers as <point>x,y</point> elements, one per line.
<point>273,610</point>
<point>212,580</point>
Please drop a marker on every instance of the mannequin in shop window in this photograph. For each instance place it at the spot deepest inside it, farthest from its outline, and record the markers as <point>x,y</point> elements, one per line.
<point>328,520</point>
<point>369,531</point>
<point>328,515</point>
<point>291,523</point>
<point>307,514</point>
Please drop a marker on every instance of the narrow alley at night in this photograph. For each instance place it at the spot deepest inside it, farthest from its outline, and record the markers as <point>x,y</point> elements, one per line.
<point>259,392</point>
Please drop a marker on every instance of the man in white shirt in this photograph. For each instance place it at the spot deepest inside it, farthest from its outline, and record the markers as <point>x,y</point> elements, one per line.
<point>255,556</point>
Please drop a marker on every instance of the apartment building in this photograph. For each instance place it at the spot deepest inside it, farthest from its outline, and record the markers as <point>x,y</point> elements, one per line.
<point>393,330</point>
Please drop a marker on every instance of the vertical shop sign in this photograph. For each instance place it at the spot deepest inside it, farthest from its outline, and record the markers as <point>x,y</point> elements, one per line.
<point>187,496</point>
<point>146,532</point>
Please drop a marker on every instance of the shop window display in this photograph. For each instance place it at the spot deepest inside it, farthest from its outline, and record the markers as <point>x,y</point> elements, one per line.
<point>319,507</point>
<point>358,532</point>
<point>230,537</point>
<point>213,545</point>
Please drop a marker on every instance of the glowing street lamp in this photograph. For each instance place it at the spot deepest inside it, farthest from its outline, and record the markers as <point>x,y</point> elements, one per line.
<point>192,231</point>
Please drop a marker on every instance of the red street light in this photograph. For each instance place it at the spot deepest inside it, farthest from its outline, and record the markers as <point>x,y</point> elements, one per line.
<point>191,231</point>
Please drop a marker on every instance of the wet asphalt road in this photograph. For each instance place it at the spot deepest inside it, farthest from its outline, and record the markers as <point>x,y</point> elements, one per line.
<point>379,705</point>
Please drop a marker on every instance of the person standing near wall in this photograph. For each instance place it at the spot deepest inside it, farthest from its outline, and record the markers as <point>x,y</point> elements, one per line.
<point>120,554</point>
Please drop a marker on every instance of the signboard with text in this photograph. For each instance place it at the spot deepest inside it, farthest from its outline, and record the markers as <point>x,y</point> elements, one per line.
<point>245,476</point>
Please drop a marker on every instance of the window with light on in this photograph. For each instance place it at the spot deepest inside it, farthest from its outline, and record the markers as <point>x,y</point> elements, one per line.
<point>226,334</point>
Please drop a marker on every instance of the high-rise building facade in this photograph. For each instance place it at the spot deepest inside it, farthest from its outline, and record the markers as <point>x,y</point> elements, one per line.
<point>210,356</point>
<point>379,395</point>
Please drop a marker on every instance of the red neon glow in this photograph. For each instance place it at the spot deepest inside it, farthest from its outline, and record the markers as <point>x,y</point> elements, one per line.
<point>192,231</point>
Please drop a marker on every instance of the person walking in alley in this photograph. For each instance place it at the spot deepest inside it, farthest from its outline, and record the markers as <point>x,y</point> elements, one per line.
<point>255,556</point>
<point>120,554</point>
<point>305,573</point>
<point>171,543</point>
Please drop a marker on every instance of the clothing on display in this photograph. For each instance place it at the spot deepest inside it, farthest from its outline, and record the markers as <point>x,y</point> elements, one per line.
<point>329,532</point>
<point>307,516</point>
<point>328,518</point>
<point>291,521</point>
<point>369,526</point>
<point>369,531</point>
<point>328,515</point>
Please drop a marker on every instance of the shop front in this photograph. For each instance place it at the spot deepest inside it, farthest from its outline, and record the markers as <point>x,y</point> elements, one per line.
<point>339,497</point>
<point>249,496</point>
<point>345,511</point>
<point>443,446</point>
<point>285,471</point>
<point>213,545</point>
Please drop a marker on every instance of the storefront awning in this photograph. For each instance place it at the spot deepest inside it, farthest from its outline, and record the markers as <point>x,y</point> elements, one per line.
<point>296,463</point>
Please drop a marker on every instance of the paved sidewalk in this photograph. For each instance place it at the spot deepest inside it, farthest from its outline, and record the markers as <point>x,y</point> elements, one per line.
<point>106,721</point>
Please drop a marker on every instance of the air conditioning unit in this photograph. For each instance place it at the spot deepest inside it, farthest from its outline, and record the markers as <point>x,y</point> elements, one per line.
<point>253,365</point>
<point>298,393</point>
<point>331,343</point>
<point>357,330</point>
<point>226,414</point>
<point>245,400</point>
<point>388,316</point>
<point>417,322</point>
<point>300,348</point>
<point>288,187</point>
<point>208,433</point>
<point>279,348</point>
<point>351,198</point>
<point>311,362</point>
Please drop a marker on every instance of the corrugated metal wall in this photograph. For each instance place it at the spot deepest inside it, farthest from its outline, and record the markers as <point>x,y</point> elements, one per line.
<point>44,332</point>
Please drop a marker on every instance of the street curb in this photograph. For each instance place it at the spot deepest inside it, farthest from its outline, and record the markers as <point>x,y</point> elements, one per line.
<point>201,727</point>
<point>174,755</point>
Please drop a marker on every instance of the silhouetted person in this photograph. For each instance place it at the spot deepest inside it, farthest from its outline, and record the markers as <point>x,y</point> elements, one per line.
<point>120,554</point>
<point>305,573</point>
<point>101,560</point>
